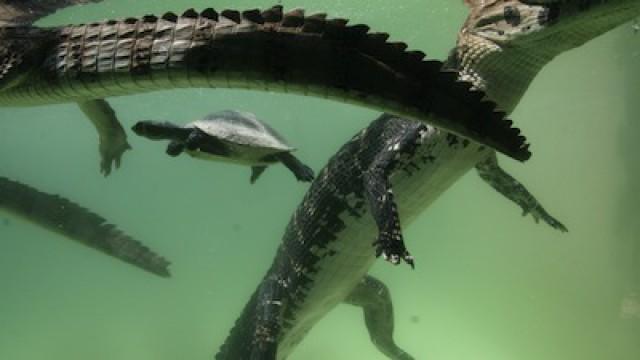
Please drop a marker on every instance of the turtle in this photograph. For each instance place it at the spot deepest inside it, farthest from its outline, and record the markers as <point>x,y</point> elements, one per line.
<point>228,136</point>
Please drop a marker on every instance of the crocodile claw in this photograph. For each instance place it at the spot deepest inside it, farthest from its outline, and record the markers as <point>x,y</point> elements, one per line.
<point>539,212</point>
<point>393,250</point>
<point>111,151</point>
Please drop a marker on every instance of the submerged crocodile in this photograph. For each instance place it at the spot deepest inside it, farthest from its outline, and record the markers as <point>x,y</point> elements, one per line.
<point>395,168</point>
<point>326,250</point>
<point>268,50</point>
<point>71,220</point>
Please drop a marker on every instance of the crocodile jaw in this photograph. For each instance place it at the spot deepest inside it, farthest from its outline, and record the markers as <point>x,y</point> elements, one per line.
<point>504,43</point>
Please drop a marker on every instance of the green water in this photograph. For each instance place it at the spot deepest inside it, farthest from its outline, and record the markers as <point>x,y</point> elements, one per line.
<point>488,285</point>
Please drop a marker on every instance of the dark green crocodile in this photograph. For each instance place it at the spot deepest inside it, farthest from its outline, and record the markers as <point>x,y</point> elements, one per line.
<point>71,220</point>
<point>268,50</point>
<point>326,250</point>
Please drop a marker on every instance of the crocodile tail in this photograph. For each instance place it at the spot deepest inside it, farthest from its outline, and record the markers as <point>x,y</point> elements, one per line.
<point>443,89</point>
<point>75,222</point>
<point>18,39</point>
<point>238,343</point>
<point>21,46</point>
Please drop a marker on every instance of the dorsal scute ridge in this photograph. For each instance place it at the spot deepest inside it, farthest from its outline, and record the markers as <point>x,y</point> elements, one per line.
<point>170,16</point>
<point>253,15</point>
<point>209,13</point>
<point>232,15</point>
<point>190,13</point>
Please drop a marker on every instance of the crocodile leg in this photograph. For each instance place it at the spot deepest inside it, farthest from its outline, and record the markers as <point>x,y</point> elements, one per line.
<point>390,243</point>
<point>512,189</point>
<point>372,295</point>
<point>113,139</point>
<point>268,321</point>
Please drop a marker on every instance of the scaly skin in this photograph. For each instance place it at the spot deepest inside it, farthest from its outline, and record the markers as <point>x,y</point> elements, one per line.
<point>325,249</point>
<point>71,220</point>
<point>504,43</point>
<point>268,51</point>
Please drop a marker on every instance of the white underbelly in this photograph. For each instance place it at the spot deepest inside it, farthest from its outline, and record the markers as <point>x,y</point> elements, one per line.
<point>340,273</point>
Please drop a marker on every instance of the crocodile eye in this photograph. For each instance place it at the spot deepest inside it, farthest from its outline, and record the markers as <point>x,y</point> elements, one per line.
<point>511,15</point>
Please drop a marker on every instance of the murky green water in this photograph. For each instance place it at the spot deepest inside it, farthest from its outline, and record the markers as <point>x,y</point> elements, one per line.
<point>489,284</point>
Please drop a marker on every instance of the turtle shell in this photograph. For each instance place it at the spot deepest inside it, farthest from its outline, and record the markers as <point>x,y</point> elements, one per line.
<point>242,128</point>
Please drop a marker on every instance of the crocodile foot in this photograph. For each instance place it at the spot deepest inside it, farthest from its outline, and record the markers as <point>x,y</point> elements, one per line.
<point>538,213</point>
<point>111,150</point>
<point>392,249</point>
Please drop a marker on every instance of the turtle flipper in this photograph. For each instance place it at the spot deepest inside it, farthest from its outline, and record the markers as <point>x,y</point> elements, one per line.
<point>112,138</point>
<point>372,295</point>
<point>301,171</point>
<point>195,139</point>
<point>256,171</point>
<point>175,148</point>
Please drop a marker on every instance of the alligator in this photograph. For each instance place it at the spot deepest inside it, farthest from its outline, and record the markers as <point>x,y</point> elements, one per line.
<point>396,167</point>
<point>260,50</point>
<point>71,220</point>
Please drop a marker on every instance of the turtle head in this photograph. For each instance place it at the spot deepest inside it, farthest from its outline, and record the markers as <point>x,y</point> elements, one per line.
<point>146,128</point>
<point>156,130</point>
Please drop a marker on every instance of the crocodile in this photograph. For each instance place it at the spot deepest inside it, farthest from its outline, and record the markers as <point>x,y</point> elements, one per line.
<point>258,50</point>
<point>395,168</point>
<point>63,216</point>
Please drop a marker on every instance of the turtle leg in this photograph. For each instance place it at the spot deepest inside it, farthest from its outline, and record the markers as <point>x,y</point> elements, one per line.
<point>256,171</point>
<point>301,171</point>
<point>175,148</point>
<point>390,243</point>
<point>195,139</point>
<point>512,189</point>
<point>113,140</point>
<point>372,295</point>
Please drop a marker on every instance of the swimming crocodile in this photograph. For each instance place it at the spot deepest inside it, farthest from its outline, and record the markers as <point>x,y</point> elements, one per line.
<point>394,169</point>
<point>71,220</point>
<point>260,50</point>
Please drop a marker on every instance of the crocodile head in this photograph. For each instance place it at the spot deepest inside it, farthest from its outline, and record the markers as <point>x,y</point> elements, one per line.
<point>504,43</point>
